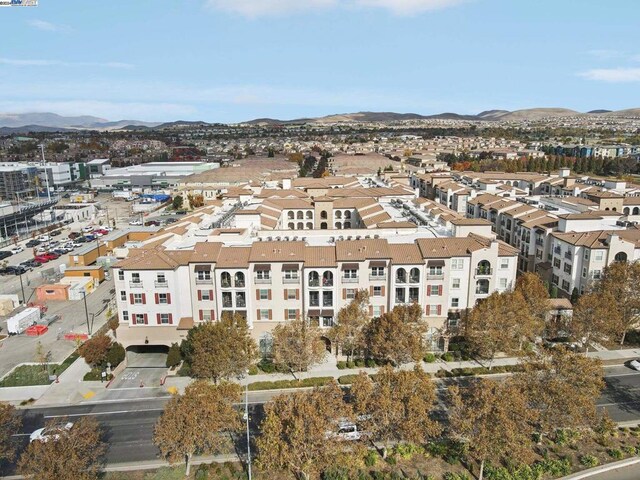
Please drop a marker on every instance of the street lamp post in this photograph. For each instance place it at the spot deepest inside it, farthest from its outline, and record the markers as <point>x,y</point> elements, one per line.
<point>86,311</point>
<point>24,300</point>
<point>246,416</point>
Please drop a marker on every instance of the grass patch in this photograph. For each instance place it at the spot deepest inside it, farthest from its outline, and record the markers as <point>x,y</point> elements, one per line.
<point>279,384</point>
<point>30,375</point>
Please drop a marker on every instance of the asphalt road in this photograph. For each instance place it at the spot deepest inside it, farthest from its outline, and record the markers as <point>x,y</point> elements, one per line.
<point>129,424</point>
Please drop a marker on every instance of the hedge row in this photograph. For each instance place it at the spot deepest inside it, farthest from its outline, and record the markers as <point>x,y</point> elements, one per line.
<point>281,384</point>
<point>471,371</point>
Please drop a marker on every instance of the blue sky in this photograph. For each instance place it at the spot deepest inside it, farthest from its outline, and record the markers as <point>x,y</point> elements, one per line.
<point>233,60</point>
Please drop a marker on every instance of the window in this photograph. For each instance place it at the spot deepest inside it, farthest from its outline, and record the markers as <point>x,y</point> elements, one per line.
<point>323,215</point>
<point>137,298</point>
<point>314,299</point>
<point>239,280</point>
<point>377,291</point>
<point>599,255</point>
<point>377,272</point>
<point>291,275</point>
<point>123,296</point>
<point>502,283</point>
<point>414,295</point>
<point>400,295</point>
<point>455,302</point>
<point>162,298</point>
<point>586,254</point>
<point>482,287</point>
<point>206,275</point>
<point>504,263</point>
<point>327,279</point>
<point>291,314</point>
<point>205,295</point>
<point>556,263</point>
<point>584,272</point>
<point>125,316</point>
<point>164,318</point>
<point>263,294</point>
<point>241,300</point>
<point>160,278</point>
<point>327,299</point>
<point>206,315</point>
<point>567,268</point>
<point>120,274</point>
<point>350,274</point>
<point>597,274</point>
<point>350,293</point>
<point>327,322</point>
<point>377,310</point>
<point>435,271</point>
<point>455,283</point>
<point>135,277</point>
<point>264,314</point>
<point>291,293</point>
<point>434,290</point>
<point>457,263</point>
<point>401,275</point>
<point>555,279</point>
<point>414,275</point>
<point>263,274</point>
<point>227,300</point>
<point>565,285</point>
<point>138,319</point>
<point>314,279</point>
<point>434,310</point>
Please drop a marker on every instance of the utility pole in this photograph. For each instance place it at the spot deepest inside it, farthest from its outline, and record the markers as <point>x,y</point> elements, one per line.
<point>46,173</point>
<point>86,311</point>
<point>246,416</point>
<point>24,300</point>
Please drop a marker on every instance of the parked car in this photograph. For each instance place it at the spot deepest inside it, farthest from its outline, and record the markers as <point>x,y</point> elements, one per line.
<point>31,263</point>
<point>41,259</point>
<point>635,364</point>
<point>44,238</point>
<point>20,270</point>
<point>60,251</point>
<point>152,223</point>
<point>135,222</point>
<point>55,233</point>
<point>50,433</point>
<point>74,235</point>
<point>5,254</point>
<point>51,255</point>
<point>33,243</point>
<point>88,229</point>
<point>100,232</point>
<point>17,249</point>
<point>90,238</point>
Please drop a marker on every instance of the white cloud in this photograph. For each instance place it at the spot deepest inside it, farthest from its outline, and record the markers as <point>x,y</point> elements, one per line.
<point>57,63</point>
<point>257,8</point>
<point>409,7</point>
<point>47,26</point>
<point>613,75</point>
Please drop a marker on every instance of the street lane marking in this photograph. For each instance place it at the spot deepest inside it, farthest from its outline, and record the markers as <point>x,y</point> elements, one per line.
<point>90,394</point>
<point>118,412</point>
<point>622,375</point>
<point>617,403</point>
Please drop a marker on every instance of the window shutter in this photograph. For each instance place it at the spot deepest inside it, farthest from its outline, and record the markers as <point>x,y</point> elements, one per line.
<point>286,294</point>
<point>171,319</point>
<point>297,294</point>
<point>144,298</point>
<point>298,314</point>
<point>381,310</point>
<point>211,295</point>
<point>426,310</point>
<point>439,289</point>
<point>201,315</point>
<point>270,314</point>
<point>199,294</point>
<point>257,294</point>
<point>370,310</point>
<point>428,290</point>
<point>258,314</point>
<point>158,318</point>
<point>146,319</point>
<point>213,315</point>
<point>168,299</point>
<point>286,316</point>
<point>439,311</point>
<point>131,298</point>
<point>382,291</point>
<point>269,294</point>
<point>344,293</point>
<point>157,297</point>
<point>371,291</point>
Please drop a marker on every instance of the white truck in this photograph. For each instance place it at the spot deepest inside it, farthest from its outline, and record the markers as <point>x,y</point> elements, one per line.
<point>22,320</point>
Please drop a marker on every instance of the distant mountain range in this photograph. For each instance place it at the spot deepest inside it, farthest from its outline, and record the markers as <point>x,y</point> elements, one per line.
<point>51,122</point>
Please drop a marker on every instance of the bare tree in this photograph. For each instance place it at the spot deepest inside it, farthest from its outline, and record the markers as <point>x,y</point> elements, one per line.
<point>297,345</point>
<point>348,333</point>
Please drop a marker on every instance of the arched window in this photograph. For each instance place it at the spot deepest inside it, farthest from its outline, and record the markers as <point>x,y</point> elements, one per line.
<point>323,215</point>
<point>292,226</point>
<point>239,280</point>
<point>338,214</point>
<point>414,275</point>
<point>606,209</point>
<point>338,225</point>
<point>327,279</point>
<point>615,209</point>
<point>225,280</point>
<point>482,287</point>
<point>347,224</point>
<point>300,215</point>
<point>636,211</point>
<point>314,279</point>
<point>626,211</point>
<point>309,214</point>
<point>347,214</point>
<point>309,226</point>
<point>291,215</point>
<point>401,275</point>
<point>484,268</point>
<point>620,257</point>
<point>300,226</point>
<point>323,226</point>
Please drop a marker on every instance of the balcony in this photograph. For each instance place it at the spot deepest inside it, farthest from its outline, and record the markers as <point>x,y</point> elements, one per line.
<point>414,279</point>
<point>314,283</point>
<point>435,276</point>
<point>262,281</point>
<point>293,280</point>
<point>349,280</point>
<point>227,304</point>
<point>241,303</point>
<point>204,281</point>
<point>373,278</point>
<point>135,285</point>
<point>160,284</point>
<point>482,291</point>
<point>225,284</point>
<point>484,272</point>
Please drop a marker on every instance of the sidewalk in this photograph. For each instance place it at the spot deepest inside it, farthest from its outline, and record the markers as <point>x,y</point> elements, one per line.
<point>71,390</point>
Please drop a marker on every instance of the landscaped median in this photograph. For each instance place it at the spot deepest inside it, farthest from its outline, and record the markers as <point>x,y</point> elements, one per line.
<point>29,375</point>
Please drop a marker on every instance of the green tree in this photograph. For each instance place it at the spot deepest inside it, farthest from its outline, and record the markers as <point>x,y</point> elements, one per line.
<point>77,453</point>
<point>220,350</point>
<point>174,357</point>
<point>193,423</point>
<point>493,421</point>
<point>176,204</point>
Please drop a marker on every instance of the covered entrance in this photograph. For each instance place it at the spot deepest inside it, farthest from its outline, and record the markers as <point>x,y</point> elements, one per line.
<point>147,356</point>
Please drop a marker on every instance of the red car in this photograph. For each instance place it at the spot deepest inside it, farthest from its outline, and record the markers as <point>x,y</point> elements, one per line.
<point>101,231</point>
<point>50,255</point>
<point>41,259</point>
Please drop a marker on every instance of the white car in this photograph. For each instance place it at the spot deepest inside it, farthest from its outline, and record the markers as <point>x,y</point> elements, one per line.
<point>135,222</point>
<point>50,433</point>
<point>16,249</point>
<point>635,364</point>
<point>44,238</point>
<point>88,229</point>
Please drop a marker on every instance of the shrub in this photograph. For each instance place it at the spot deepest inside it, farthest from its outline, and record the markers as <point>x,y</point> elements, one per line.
<point>391,460</point>
<point>371,458</point>
<point>279,384</point>
<point>406,450</point>
<point>202,473</point>
<point>630,450</point>
<point>456,476</point>
<point>266,366</point>
<point>335,473</point>
<point>341,365</point>
<point>351,364</point>
<point>589,461</point>
<point>95,375</point>
<point>360,363</point>
<point>429,358</point>
<point>615,453</point>
<point>347,379</point>
<point>253,370</point>
<point>174,357</point>
<point>556,468</point>
<point>370,363</point>
<point>185,370</point>
<point>448,357</point>
<point>116,355</point>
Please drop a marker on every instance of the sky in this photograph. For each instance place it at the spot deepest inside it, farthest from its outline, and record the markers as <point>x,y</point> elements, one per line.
<point>235,60</point>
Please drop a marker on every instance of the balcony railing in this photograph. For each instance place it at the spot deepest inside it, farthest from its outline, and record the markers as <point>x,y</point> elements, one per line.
<point>482,291</point>
<point>400,300</point>
<point>227,304</point>
<point>349,280</point>
<point>435,276</point>
<point>241,303</point>
<point>377,277</point>
<point>160,284</point>
<point>413,299</point>
<point>314,302</point>
<point>314,283</point>
<point>204,281</point>
<point>327,283</point>
<point>290,280</point>
<point>484,271</point>
<point>240,284</point>
<point>414,279</point>
<point>263,281</point>
<point>327,303</point>
<point>135,284</point>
